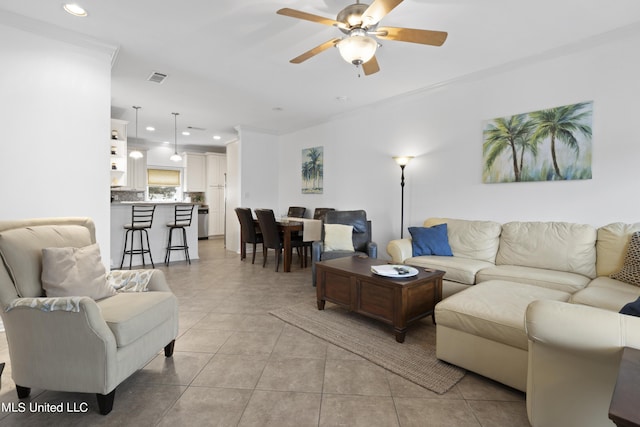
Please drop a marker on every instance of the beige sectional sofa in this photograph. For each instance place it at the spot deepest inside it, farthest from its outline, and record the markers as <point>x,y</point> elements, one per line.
<point>497,271</point>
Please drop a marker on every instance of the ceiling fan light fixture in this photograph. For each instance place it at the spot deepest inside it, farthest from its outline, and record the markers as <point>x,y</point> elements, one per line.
<point>358,48</point>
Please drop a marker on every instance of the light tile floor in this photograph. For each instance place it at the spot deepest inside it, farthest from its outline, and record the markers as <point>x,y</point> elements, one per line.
<point>235,365</point>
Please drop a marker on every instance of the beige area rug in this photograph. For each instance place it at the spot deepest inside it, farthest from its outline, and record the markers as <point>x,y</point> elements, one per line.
<point>415,359</point>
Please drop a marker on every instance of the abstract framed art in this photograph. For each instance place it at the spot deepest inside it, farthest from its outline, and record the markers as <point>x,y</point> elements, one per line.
<point>546,145</point>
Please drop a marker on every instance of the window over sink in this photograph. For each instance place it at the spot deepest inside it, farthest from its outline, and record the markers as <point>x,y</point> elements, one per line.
<point>164,184</point>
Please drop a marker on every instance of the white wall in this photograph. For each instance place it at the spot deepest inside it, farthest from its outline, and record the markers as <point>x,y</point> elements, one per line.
<point>442,127</point>
<point>252,176</point>
<point>232,231</point>
<point>54,109</point>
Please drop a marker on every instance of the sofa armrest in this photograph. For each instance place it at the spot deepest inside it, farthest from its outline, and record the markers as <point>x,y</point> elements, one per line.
<point>581,328</point>
<point>158,282</point>
<point>74,350</point>
<point>400,250</point>
<point>317,248</point>
<point>574,357</point>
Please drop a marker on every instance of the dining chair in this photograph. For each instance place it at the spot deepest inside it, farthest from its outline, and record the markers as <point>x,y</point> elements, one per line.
<point>272,237</point>
<point>319,213</point>
<point>141,221</point>
<point>181,219</point>
<point>296,212</point>
<point>249,233</point>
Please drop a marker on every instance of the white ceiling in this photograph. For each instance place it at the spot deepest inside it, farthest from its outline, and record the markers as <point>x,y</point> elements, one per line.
<point>228,60</point>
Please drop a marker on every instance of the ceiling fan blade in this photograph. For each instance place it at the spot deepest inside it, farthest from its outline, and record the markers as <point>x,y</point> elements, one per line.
<point>433,38</point>
<point>378,10</point>
<point>308,17</point>
<point>313,52</point>
<point>371,66</point>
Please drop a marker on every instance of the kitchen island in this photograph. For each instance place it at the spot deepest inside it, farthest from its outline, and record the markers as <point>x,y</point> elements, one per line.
<point>158,233</point>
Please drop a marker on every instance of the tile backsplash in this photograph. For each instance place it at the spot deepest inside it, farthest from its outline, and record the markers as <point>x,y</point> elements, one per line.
<point>127,196</point>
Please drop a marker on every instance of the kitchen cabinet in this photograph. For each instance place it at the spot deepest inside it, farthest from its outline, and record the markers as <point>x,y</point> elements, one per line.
<point>118,147</point>
<point>216,201</point>
<point>216,177</point>
<point>137,172</point>
<point>216,169</point>
<point>195,173</point>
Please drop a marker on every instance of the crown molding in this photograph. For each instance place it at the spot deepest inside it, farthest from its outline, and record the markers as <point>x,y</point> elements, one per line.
<point>50,31</point>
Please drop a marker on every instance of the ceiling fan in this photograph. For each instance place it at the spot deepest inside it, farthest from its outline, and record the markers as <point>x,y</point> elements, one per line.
<point>360,24</point>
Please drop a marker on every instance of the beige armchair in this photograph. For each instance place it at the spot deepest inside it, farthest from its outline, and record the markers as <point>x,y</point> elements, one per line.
<point>574,356</point>
<point>91,349</point>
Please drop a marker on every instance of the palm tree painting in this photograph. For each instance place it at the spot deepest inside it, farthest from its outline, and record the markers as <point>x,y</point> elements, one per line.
<point>545,145</point>
<point>312,170</point>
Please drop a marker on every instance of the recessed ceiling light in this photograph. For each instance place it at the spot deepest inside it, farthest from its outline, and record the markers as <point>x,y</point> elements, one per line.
<point>150,128</point>
<point>74,9</point>
<point>217,137</point>
<point>166,142</point>
<point>185,133</point>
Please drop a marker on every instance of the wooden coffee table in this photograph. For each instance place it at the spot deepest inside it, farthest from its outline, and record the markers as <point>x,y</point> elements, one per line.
<point>350,283</point>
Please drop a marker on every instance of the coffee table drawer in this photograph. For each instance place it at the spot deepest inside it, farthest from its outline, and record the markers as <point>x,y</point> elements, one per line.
<point>337,287</point>
<point>375,300</point>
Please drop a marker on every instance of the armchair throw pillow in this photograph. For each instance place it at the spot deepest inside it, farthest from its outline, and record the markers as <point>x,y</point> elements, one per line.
<point>70,272</point>
<point>430,240</point>
<point>338,237</point>
<point>630,271</point>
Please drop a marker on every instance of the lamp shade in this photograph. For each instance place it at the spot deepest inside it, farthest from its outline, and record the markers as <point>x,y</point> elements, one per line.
<point>358,48</point>
<point>402,160</point>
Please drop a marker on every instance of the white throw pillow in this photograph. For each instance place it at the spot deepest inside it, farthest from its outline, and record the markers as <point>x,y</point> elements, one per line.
<point>338,237</point>
<point>70,272</point>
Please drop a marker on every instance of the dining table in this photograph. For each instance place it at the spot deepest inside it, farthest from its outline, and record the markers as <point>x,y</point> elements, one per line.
<point>311,230</point>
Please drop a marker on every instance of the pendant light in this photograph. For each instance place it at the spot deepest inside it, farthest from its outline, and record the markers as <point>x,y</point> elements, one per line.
<point>136,154</point>
<point>175,157</point>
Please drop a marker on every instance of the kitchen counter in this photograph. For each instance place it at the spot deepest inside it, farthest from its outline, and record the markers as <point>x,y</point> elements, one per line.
<point>158,233</point>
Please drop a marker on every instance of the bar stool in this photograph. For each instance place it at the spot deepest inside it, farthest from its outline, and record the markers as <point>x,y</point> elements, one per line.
<point>141,221</point>
<point>182,219</point>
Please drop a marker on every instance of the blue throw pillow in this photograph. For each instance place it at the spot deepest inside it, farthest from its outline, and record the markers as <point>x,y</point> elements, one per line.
<point>430,240</point>
<point>632,308</point>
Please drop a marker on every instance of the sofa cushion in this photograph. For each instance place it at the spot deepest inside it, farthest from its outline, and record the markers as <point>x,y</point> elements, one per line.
<point>471,239</point>
<point>560,246</point>
<point>630,271</point>
<point>68,272</point>
<point>611,246</point>
<point>21,251</point>
<point>552,279</point>
<point>430,240</point>
<point>494,310</point>
<point>132,315</point>
<point>461,270</point>
<point>606,293</point>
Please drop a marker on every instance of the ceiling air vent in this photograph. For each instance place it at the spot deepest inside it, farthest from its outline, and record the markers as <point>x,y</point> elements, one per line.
<point>157,77</point>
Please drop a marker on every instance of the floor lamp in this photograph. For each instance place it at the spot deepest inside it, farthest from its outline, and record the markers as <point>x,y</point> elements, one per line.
<point>402,161</point>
